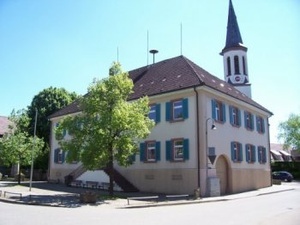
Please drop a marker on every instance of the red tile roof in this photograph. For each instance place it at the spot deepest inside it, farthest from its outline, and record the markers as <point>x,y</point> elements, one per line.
<point>171,75</point>
<point>4,123</point>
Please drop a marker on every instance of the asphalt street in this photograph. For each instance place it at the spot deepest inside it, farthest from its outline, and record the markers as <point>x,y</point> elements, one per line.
<point>264,207</point>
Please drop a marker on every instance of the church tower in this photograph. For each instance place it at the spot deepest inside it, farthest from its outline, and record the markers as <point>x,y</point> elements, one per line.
<point>235,56</point>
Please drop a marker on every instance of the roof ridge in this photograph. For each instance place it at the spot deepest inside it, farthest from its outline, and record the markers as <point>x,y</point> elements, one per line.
<point>189,62</point>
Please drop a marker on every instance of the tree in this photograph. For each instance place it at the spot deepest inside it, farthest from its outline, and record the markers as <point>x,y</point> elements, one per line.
<point>16,146</point>
<point>46,102</point>
<point>290,132</point>
<point>109,127</point>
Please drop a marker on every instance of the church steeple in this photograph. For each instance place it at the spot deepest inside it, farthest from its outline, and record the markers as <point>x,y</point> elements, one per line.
<point>233,37</point>
<point>235,55</point>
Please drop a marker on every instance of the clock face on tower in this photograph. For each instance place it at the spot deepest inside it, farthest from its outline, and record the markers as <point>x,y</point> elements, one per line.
<point>237,78</point>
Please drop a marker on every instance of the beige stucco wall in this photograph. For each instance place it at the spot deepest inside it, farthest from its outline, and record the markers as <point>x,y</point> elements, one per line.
<point>248,179</point>
<point>164,181</point>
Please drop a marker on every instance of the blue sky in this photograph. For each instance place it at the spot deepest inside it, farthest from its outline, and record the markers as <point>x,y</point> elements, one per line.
<point>67,43</point>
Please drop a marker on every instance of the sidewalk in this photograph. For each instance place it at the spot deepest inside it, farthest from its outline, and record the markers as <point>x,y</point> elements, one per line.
<point>59,195</point>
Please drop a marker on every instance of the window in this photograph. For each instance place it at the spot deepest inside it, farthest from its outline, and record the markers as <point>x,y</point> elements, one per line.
<point>218,111</point>
<point>236,152</point>
<point>154,113</point>
<point>59,156</point>
<point>250,153</point>
<point>64,131</point>
<point>228,66</point>
<point>249,123</point>
<point>244,66</point>
<point>262,154</point>
<point>236,65</point>
<point>260,124</point>
<point>235,116</point>
<point>177,150</point>
<point>177,110</point>
<point>150,151</point>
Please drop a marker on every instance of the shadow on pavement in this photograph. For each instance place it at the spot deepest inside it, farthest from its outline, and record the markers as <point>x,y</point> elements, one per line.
<point>58,195</point>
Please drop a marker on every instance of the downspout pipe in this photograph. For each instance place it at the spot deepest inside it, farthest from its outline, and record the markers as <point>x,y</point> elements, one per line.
<point>198,138</point>
<point>270,163</point>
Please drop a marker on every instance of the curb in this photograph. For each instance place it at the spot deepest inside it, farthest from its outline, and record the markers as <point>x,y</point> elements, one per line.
<point>188,202</point>
<point>151,205</point>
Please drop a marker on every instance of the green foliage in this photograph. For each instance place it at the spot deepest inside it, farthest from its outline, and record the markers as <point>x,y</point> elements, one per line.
<point>109,126</point>
<point>17,146</point>
<point>292,167</point>
<point>290,132</point>
<point>46,102</point>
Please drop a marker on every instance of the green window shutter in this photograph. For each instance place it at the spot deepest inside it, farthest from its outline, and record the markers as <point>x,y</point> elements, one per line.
<point>186,153</point>
<point>232,152</point>
<point>168,111</point>
<point>245,119</point>
<point>264,155</point>
<point>240,152</point>
<point>224,112</point>
<point>231,114</point>
<point>168,150</point>
<point>213,109</point>
<point>157,150</point>
<point>131,158</point>
<point>56,152</point>
<point>142,152</point>
<point>157,111</point>
<point>185,106</point>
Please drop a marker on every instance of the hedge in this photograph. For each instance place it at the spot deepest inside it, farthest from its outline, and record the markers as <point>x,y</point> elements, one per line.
<point>292,167</point>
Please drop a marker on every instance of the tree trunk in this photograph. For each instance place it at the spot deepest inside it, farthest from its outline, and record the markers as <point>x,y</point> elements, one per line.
<point>19,175</point>
<point>111,173</point>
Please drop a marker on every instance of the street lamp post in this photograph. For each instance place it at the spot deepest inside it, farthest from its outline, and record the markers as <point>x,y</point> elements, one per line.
<point>213,127</point>
<point>32,151</point>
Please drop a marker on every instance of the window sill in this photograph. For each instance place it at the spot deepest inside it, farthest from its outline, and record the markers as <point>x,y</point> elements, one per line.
<point>236,126</point>
<point>175,121</point>
<point>219,121</point>
<point>154,161</point>
<point>177,161</point>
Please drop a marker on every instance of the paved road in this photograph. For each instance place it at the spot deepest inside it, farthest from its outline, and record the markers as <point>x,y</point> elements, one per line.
<point>276,208</point>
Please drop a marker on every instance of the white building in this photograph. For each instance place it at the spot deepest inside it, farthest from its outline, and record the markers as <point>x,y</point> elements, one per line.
<point>183,153</point>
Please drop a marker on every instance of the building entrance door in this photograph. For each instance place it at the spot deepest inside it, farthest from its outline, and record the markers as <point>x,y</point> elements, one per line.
<point>222,173</point>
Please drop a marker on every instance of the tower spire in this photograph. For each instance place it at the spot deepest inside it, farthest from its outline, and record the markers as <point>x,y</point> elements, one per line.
<point>235,55</point>
<point>233,35</point>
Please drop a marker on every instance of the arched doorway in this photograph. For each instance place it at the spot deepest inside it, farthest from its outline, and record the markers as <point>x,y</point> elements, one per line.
<point>222,173</point>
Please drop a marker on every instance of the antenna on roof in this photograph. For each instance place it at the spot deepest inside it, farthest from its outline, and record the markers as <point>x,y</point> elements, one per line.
<point>147,47</point>
<point>180,38</point>
<point>153,51</point>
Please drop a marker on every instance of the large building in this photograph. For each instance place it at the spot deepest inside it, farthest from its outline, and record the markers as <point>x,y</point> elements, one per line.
<point>184,151</point>
<point>4,125</point>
